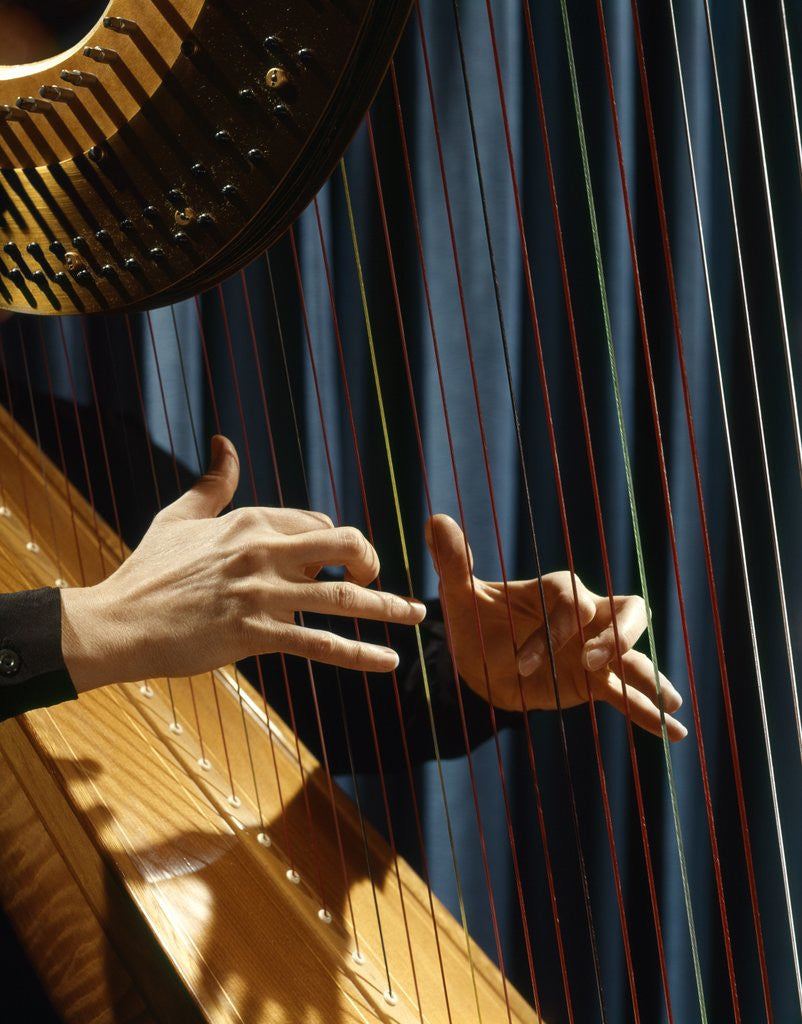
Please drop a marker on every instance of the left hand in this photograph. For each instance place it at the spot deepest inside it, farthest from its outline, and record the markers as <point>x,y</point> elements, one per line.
<point>523,666</point>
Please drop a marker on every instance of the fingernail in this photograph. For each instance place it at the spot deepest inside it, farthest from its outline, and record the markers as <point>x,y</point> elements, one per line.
<point>419,607</point>
<point>684,731</point>
<point>393,658</point>
<point>529,663</point>
<point>595,658</point>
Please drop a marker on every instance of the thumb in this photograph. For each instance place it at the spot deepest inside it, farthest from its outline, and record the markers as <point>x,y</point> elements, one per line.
<point>450,553</point>
<point>209,496</point>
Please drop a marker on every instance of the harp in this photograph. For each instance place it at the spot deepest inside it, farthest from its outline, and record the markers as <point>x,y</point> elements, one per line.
<point>625,280</point>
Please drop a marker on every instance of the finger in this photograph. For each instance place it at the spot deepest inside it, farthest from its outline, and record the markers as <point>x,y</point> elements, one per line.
<point>561,624</point>
<point>639,672</point>
<point>630,622</point>
<point>209,496</point>
<point>450,552</point>
<point>642,710</point>
<point>319,645</point>
<point>342,545</point>
<point>343,598</point>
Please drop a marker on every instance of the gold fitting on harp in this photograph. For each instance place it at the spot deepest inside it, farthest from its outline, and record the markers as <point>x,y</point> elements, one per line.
<point>73,262</point>
<point>277,78</point>
<point>185,217</point>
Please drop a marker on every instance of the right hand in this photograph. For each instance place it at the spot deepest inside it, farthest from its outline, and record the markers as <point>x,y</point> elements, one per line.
<point>201,591</point>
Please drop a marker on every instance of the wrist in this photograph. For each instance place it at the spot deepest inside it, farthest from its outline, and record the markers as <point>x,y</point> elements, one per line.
<point>88,639</point>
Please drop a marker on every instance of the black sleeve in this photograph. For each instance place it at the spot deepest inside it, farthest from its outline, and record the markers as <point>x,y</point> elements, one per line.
<point>345,713</point>
<point>32,670</point>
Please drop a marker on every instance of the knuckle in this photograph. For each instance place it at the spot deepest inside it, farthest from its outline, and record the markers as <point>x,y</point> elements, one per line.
<point>353,542</point>
<point>245,518</point>
<point>321,645</point>
<point>398,607</point>
<point>325,521</point>
<point>246,561</point>
<point>565,608</point>
<point>345,596</point>
<point>242,600</point>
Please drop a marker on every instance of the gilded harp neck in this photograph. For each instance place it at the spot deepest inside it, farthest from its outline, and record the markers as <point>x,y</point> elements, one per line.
<point>175,141</point>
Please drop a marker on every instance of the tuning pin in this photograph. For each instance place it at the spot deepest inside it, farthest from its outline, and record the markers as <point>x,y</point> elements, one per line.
<point>101,54</point>
<point>79,77</point>
<point>33,105</point>
<point>57,94</point>
<point>122,25</point>
<point>8,113</point>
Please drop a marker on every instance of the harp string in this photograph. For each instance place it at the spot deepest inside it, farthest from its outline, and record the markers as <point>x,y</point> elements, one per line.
<point>437,358</point>
<point>272,448</point>
<point>299,447</point>
<point>530,291</point>
<point>733,480</point>
<point>484,450</point>
<point>421,456</point>
<point>499,757</point>
<point>625,448</point>
<point>25,502</point>
<point>203,760</point>
<point>792,87</point>
<point>758,406</point>
<point>794,412</point>
<point>185,386</point>
<point>102,435</point>
<point>339,686</point>
<point>424,672</point>
<point>630,482</point>
<point>60,445</point>
<point>396,693</point>
<point>216,415</point>
<point>302,773</point>
<point>321,414</point>
<point>774,539</point>
<point>255,500</point>
<point>371,538</point>
<point>583,409</point>
<point>143,414</point>
<point>695,459</point>
<point>46,483</point>
<point>519,442</point>
<point>669,513</point>
<point>339,517</point>
<point>80,433</point>
<point>775,264</point>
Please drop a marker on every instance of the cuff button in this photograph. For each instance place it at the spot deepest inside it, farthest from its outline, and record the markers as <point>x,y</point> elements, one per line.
<point>9,662</point>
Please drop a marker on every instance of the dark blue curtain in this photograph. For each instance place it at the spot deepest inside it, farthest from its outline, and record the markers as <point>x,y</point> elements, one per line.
<point>180,416</point>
